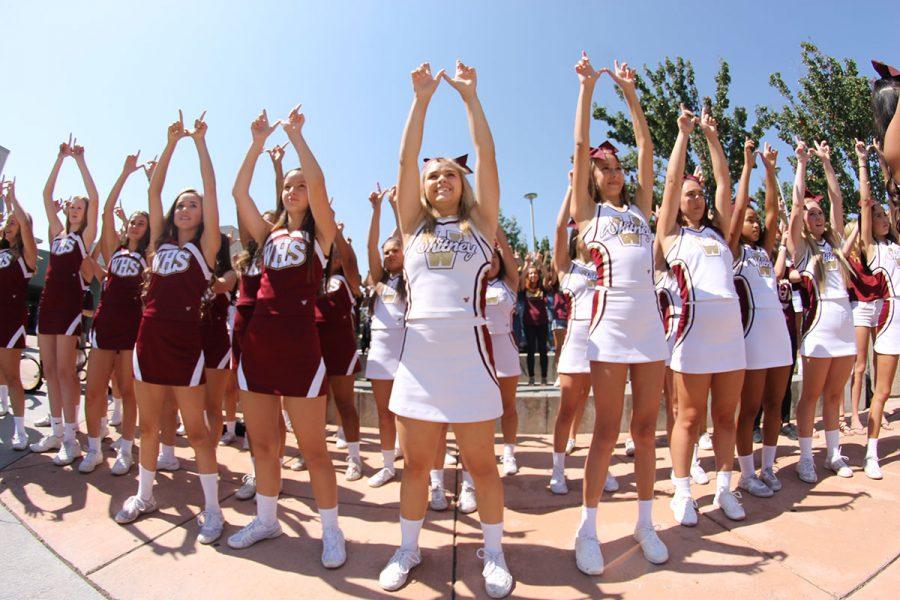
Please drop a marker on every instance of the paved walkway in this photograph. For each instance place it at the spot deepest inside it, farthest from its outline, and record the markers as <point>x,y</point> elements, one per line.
<point>836,539</point>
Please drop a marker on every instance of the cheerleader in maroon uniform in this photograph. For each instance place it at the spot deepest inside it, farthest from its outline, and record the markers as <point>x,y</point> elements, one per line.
<point>18,259</point>
<point>115,326</point>
<point>59,311</point>
<point>168,353</point>
<point>280,355</point>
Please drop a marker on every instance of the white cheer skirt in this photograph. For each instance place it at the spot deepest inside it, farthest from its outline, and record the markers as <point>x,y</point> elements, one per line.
<point>383,357</point>
<point>827,330</point>
<point>767,342</point>
<point>887,336</point>
<point>506,355</point>
<point>709,338</point>
<point>573,357</point>
<point>865,314</point>
<point>626,327</point>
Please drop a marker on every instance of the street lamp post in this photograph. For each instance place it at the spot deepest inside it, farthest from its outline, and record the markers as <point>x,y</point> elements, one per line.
<point>530,196</point>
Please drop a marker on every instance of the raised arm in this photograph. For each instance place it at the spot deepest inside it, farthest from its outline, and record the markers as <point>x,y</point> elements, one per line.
<point>29,246</point>
<point>277,156</point>
<point>409,207</point>
<point>55,225</point>
<point>795,224</point>
<point>582,205</point>
<point>511,279</point>
<point>90,230</point>
<point>865,198</point>
<point>175,132</point>
<point>348,260</point>
<point>742,199</point>
<point>376,268</point>
<point>108,235</point>
<point>625,79</point>
<point>250,221</point>
<point>720,170</point>
<point>212,237</point>
<point>773,198</point>
<point>315,179</point>
<point>561,258</point>
<point>667,219</point>
<point>835,198</point>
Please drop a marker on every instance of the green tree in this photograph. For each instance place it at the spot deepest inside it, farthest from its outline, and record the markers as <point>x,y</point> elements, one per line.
<point>513,232</point>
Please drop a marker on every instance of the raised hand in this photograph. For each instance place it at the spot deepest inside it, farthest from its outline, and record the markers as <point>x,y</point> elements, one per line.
<point>340,226</point>
<point>261,129</point>
<point>375,198</point>
<point>293,125</point>
<point>277,152</point>
<point>424,84</point>
<point>822,150</point>
<point>686,121</point>
<point>749,152</point>
<point>586,73</point>
<point>770,156</point>
<point>200,127</point>
<point>77,151</point>
<point>120,213</point>
<point>131,164</point>
<point>801,151</point>
<point>862,150</point>
<point>65,149</point>
<point>59,204</point>
<point>708,124</point>
<point>464,81</point>
<point>392,196</point>
<point>150,166</point>
<point>176,130</point>
<point>623,76</point>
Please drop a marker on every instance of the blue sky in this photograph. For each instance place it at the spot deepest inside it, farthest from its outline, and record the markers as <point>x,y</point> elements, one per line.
<point>115,74</point>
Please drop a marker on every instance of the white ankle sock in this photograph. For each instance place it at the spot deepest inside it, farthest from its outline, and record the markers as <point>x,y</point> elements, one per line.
<point>747,468</point>
<point>645,514</point>
<point>69,432</point>
<point>694,458</point>
<point>126,445</point>
<point>682,486</point>
<point>872,448</point>
<point>210,484</point>
<point>329,518</point>
<point>806,447</point>
<point>493,537</point>
<point>768,456</point>
<point>267,509</point>
<point>104,424</point>
<point>437,478</point>
<point>409,533</point>
<point>19,423</point>
<point>117,405</point>
<point>723,482</point>
<point>509,450</point>
<point>353,449</point>
<point>145,482</point>
<point>588,525</point>
<point>467,478</point>
<point>833,444</point>
<point>229,426</point>
<point>340,433</point>
<point>93,444</point>
<point>166,451</point>
<point>559,461</point>
<point>388,457</point>
<point>4,396</point>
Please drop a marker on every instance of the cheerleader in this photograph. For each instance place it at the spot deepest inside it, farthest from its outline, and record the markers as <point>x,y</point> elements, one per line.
<point>280,355</point>
<point>115,326</point>
<point>827,342</point>
<point>387,327</point>
<point>708,355</point>
<point>168,352</point>
<point>446,373</point>
<point>882,253</point>
<point>625,333</point>
<point>885,96</point>
<point>18,261</point>
<point>59,310</point>
<point>767,343</point>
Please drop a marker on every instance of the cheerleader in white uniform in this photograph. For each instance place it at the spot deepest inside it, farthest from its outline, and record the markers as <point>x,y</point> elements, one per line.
<point>626,333</point>
<point>882,253</point>
<point>827,340</point>
<point>766,339</point>
<point>708,354</point>
<point>387,326</point>
<point>446,373</point>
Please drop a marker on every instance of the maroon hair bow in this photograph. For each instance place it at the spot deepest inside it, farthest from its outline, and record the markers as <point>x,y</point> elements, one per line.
<point>808,195</point>
<point>886,71</point>
<point>692,177</point>
<point>459,160</point>
<point>603,151</point>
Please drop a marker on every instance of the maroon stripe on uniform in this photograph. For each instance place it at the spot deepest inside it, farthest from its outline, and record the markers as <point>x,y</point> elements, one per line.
<point>884,318</point>
<point>486,351</point>
<point>810,312</point>
<point>745,299</point>
<point>685,291</point>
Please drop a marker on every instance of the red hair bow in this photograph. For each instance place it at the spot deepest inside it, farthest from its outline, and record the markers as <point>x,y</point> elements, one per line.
<point>886,71</point>
<point>603,151</point>
<point>459,160</point>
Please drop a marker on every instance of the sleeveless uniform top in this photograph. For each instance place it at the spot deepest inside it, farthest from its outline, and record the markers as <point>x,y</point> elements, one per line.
<point>578,285</point>
<point>178,278</point>
<point>864,286</point>
<point>336,304</point>
<point>446,273</point>
<point>63,285</point>
<point>124,278</point>
<point>834,287</point>
<point>669,301</point>
<point>702,265</point>
<point>561,305</point>
<point>14,276</point>
<point>248,284</point>
<point>216,309</point>
<point>886,263</point>
<point>389,307</point>
<point>291,274</point>
<point>754,278</point>
<point>621,246</point>
<point>500,304</point>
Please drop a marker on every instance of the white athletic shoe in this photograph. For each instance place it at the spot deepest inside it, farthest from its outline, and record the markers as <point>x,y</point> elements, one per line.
<point>611,484</point>
<point>806,470</point>
<point>629,447</point>
<point>872,469</point>
<point>381,477</point>
<point>698,475</point>
<point>755,486</point>
<point>181,431</point>
<point>510,467</point>
<point>248,487</point>
<point>116,418</point>
<point>334,548</point>
<point>90,461</point>
<point>354,468</point>
<point>449,460</point>
<point>498,581</point>
<point>253,532</point>
<point>466,501</point>
<point>133,508</point>
<point>211,525</point>
<point>167,464</point>
<point>67,454</point>
<point>123,462</point>
<point>570,446</point>
<point>227,438</point>
<point>839,467</point>
<point>588,557</point>
<point>46,444</point>
<point>19,442</point>
<point>398,452</point>
<point>104,433</point>
<point>298,464</point>
<point>340,441</point>
<point>728,502</point>
<point>684,509</point>
<point>654,549</point>
<point>558,483</point>
<point>45,422</point>
<point>705,441</point>
<point>438,498</point>
<point>768,477</point>
<point>395,573</point>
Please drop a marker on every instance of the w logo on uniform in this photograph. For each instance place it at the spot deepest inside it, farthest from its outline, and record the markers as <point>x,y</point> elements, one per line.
<point>440,260</point>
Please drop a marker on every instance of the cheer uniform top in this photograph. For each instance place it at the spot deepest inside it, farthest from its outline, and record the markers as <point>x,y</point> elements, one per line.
<point>14,276</point>
<point>118,315</point>
<point>885,263</point>
<point>669,302</point>
<point>337,333</point>
<point>866,292</point>
<point>59,310</point>
<point>248,286</point>
<point>767,343</point>
<point>578,285</point>
<point>387,328</point>
<point>500,303</point>
<point>827,325</point>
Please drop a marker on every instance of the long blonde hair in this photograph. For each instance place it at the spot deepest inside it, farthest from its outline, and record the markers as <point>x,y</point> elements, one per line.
<point>815,254</point>
<point>466,200</point>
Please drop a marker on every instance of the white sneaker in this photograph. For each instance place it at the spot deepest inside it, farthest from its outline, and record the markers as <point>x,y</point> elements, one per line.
<point>67,454</point>
<point>698,475</point>
<point>449,460</point>
<point>684,509</point>
<point>438,500</point>
<point>498,581</point>
<point>839,467</point>
<point>181,431</point>
<point>114,445</point>
<point>227,438</point>
<point>123,463</point>
<point>46,443</point>
<point>340,442</point>
<point>211,525</point>
<point>354,468</point>
<point>705,441</point>
<point>755,486</point>
<point>248,487</point>
<point>4,410</point>
<point>395,573</point>
<point>588,557</point>
<point>728,502</point>
<point>104,433</point>
<point>133,508</point>
<point>19,443</point>
<point>398,452</point>
<point>570,446</point>
<point>806,470</point>
<point>253,532</point>
<point>164,463</point>
<point>629,447</point>
<point>466,501</point>
<point>381,477</point>
<point>558,483</point>
<point>768,477</point>
<point>298,464</point>
<point>872,469</point>
<point>510,467</point>
<point>653,548</point>
<point>45,422</point>
<point>611,484</point>
<point>334,548</point>
<point>116,418</point>
<point>90,461</point>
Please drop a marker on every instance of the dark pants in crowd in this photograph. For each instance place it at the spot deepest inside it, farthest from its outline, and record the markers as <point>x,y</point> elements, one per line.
<point>536,339</point>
